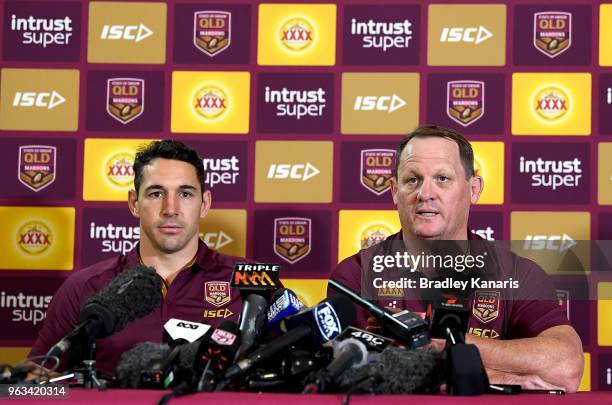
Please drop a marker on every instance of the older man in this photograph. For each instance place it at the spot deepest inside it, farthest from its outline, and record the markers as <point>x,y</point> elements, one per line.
<point>529,341</point>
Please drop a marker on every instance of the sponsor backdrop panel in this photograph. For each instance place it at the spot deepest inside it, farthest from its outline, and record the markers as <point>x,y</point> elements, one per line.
<point>296,110</point>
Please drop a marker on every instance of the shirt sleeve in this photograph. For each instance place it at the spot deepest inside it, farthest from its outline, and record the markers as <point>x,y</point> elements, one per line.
<point>537,308</point>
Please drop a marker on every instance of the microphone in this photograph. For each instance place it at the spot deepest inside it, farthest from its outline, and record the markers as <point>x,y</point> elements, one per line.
<point>179,332</point>
<point>131,295</point>
<point>347,354</point>
<point>213,359</point>
<point>284,304</point>
<point>319,325</point>
<point>397,371</point>
<point>143,356</point>
<point>255,282</point>
<point>409,328</point>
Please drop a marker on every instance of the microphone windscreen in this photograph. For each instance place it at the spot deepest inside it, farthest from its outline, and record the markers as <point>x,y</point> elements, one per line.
<point>138,358</point>
<point>131,295</point>
<point>397,371</point>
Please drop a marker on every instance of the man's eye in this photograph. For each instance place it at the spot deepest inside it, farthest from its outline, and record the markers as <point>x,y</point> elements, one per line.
<point>186,194</point>
<point>443,179</point>
<point>412,180</point>
<point>155,194</point>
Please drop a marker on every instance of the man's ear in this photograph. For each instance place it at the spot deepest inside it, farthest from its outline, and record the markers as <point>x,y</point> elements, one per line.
<point>476,187</point>
<point>206,202</point>
<point>133,203</point>
<point>394,189</point>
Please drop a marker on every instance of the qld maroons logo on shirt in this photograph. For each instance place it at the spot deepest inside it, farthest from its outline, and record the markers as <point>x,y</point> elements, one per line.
<point>292,238</point>
<point>212,31</point>
<point>552,32</point>
<point>465,101</point>
<point>37,166</point>
<point>217,293</point>
<point>486,305</point>
<point>377,167</point>
<point>125,98</point>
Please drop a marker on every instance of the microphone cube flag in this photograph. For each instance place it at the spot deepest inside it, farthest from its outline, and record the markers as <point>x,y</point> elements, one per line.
<point>258,276</point>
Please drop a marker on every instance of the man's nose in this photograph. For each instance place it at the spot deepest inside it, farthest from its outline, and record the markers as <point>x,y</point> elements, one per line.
<point>170,206</point>
<point>426,191</point>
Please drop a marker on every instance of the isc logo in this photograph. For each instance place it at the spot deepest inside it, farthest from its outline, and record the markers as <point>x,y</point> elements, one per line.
<point>33,99</point>
<point>216,240</point>
<point>134,33</point>
<point>471,34</point>
<point>548,242</point>
<point>296,172</point>
<point>379,103</point>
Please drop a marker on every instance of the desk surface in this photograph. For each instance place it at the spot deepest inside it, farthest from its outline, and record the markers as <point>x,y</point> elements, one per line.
<point>150,397</point>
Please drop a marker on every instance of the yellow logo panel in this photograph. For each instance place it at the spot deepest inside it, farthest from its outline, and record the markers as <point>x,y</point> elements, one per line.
<point>210,102</point>
<point>604,313</point>
<point>585,381</point>
<point>309,291</point>
<point>489,163</point>
<point>379,103</point>
<point>13,355</point>
<point>37,238</point>
<point>39,99</point>
<point>294,171</point>
<point>297,34</point>
<point>604,182</point>
<point>107,172</point>
<point>551,104</point>
<point>124,32</point>
<point>361,229</point>
<point>466,35</point>
<point>554,240</point>
<point>605,35</point>
<point>225,231</point>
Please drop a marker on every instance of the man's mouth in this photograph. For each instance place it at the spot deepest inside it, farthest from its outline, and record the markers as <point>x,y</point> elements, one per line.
<point>170,228</point>
<point>427,213</point>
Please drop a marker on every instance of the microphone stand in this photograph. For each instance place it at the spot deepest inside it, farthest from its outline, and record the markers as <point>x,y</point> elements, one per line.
<point>87,374</point>
<point>465,372</point>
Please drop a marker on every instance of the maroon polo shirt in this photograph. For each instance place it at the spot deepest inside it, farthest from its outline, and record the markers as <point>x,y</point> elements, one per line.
<point>494,313</point>
<point>186,298</point>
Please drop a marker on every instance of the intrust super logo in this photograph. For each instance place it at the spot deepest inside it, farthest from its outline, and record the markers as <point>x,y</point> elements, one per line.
<point>376,35</point>
<point>113,237</point>
<point>210,102</point>
<point>545,173</point>
<point>123,32</point>
<point>37,238</point>
<point>293,171</point>
<point>41,31</point>
<point>551,103</point>
<point>108,173</point>
<point>30,309</point>
<point>35,99</point>
<point>300,102</point>
<point>296,34</point>
<point>379,103</point>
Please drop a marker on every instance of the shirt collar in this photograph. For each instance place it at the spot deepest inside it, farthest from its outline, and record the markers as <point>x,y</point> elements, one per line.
<point>132,259</point>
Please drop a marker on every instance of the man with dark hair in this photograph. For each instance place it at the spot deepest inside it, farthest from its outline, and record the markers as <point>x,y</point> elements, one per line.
<point>169,200</point>
<point>524,338</point>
